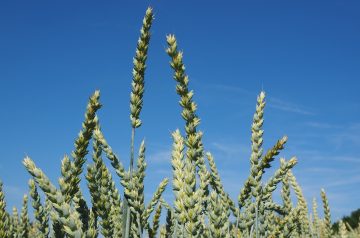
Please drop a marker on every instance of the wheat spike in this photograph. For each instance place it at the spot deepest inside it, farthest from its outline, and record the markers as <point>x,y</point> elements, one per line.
<point>327,220</point>
<point>68,219</point>
<point>4,220</point>
<point>40,213</point>
<point>81,144</point>
<point>136,96</point>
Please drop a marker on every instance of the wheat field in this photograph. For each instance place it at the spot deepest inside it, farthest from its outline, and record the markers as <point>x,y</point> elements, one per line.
<point>201,206</point>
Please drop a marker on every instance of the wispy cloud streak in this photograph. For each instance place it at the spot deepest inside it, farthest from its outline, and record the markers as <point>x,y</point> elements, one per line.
<point>288,106</point>
<point>323,125</point>
<point>273,102</point>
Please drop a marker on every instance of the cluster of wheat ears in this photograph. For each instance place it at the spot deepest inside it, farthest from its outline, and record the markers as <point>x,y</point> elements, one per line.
<point>201,207</point>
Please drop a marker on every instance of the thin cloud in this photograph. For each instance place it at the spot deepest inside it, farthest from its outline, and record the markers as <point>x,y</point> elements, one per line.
<point>161,156</point>
<point>328,181</point>
<point>317,170</point>
<point>329,171</point>
<point>288,106</point>
<point>163,171</point>
<point>345,181</point>
<point>348,136</point>
<point>273,102</point>
<point>322,125</point>
<point>230,150</point>
<point>14,191</point>
<point>229,88</point>
<point>313,155</point>
<point>338,137</point>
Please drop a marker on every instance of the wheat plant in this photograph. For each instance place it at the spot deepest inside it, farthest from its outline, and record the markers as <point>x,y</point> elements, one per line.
<point>201,205</point>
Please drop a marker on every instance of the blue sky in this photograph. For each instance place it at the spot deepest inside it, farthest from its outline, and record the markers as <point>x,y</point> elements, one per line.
<point>304,54</point>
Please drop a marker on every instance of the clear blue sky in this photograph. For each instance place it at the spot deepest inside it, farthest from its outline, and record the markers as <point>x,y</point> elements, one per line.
<point>304,54</point>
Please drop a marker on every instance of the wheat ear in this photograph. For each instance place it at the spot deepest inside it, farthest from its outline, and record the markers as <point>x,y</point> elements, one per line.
<point>277,177</point>
<point>24,219</point>
<point>92,232</point>
<point>316,219</point>
<point>15,221</point>
<point>81,144</point>
<point>136,96</point>
<point>285,194</point>
<point>327,218</point>
<point>256,152</point>
<point>194,154</point>
<point>218,217</point>
<point>42,220</point>
<point>219,188</point>
<point>301,203</point>
<point>115,162</point>
<point>69,219</point>
<point>152,231</point>
<point>4,223</point>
